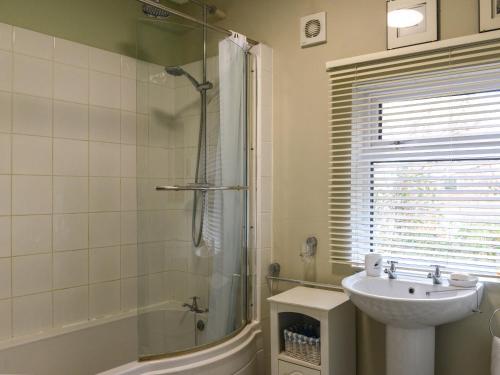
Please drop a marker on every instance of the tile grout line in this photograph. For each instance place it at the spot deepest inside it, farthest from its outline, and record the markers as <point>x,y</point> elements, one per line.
<point>11,185</point>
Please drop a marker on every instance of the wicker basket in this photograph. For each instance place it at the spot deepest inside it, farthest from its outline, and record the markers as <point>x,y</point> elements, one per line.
<point>302,347</point>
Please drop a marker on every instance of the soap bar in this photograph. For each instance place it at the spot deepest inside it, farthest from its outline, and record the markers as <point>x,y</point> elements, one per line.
<point>463,280</point>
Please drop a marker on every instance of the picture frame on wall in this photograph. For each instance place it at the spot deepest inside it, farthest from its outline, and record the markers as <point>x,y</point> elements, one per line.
<point>424,32</point>
<point>489,15</point>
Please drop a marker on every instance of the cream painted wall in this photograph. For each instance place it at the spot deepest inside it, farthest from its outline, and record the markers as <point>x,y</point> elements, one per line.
<point>355,27</point>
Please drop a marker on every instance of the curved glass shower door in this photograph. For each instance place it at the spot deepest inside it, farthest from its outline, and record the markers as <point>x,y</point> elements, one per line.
<point>191,178</point>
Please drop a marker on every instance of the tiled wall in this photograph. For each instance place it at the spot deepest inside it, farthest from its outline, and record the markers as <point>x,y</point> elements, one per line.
<point>73,191</point>
<point>67,182</point>
<point>263,193</point>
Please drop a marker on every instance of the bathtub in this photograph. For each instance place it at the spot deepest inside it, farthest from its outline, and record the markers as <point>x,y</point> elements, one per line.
<point>81,349</point>
<point>239,355</point>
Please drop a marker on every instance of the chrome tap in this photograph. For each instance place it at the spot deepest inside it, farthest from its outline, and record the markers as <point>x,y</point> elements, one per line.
<point>436,275</point>
<point>391,271</point>
<point>194,306</point>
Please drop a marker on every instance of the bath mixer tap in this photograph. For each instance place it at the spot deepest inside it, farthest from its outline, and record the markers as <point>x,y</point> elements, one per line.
<point>436,275</point>
<point>391,271</point>
<point>194,306</point>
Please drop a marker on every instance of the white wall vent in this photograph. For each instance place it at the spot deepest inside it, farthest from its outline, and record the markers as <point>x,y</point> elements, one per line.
<point>313,29</point>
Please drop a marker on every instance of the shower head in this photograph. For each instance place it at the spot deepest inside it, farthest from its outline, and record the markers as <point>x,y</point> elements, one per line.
<point>177,71</point>
<point>154,12</point>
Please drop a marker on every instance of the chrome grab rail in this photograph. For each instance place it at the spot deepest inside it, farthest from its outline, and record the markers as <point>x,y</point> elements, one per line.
<point>200,187</point>
<point>305,283</point>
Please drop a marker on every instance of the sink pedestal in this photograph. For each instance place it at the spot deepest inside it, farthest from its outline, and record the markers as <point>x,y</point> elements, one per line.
<point>410,351</point>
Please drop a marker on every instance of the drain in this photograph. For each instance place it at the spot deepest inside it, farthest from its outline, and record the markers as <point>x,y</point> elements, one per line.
<point>411,290</point>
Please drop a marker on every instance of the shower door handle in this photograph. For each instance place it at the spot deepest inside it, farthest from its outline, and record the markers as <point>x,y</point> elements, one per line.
<point>201,187</point>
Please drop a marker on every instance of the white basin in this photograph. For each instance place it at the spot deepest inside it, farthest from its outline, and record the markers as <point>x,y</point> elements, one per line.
<point>411,302</point>
<point>411,307</point>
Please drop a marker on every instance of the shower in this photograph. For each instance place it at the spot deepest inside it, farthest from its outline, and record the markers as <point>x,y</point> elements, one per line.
<point>154,12</point>
<point>201,157</point>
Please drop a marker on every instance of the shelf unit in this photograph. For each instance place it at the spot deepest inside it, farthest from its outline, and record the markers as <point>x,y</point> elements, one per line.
<point>333,315</point>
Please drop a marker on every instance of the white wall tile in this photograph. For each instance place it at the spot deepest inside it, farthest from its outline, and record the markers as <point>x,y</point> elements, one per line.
<point>128,161</point>
<point>104,229</point>
<point>104,159</point>
<point>128,261</point>
<point>128,127</point>
<point>31,195</point>
<point>6,112</point>
<point>104,264</point>
<point>31,155</point>
<point>104,299</point>
<point>71,232</point>
<point>32,76</point>
<point>70,157</point>
<point>71,305</point>
<point>71,53</point>
<point>71,194</point>
<point>5,36</point>
<point>129,67</point>
<point>71,120</point>
<point>5,277</point>
<point>32,43</point>
<point>266,159</point>
<point>128,194</point>
<point>5,315</point>
<point>6,71</point>
<point>71,83</point>
<point>31,274</point>
<point>31,234</point>
<point>105,61</point>
<point>5,236</point>
<point>142,71</point>
<point>128,95</point>
<point>104,90</point>
<point>129,227</point>
<point>32,115</point>
<point>104,194</point>
<point>71,268</point>
<point>129,294</point>
<point>104,124</point>
<point>32,314</point>
<point>5,195</point>
<point>266,194</point>
<point>5,153</point>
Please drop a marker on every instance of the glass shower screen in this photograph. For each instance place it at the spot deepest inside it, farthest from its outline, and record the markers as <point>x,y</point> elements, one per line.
<point>191,168</point>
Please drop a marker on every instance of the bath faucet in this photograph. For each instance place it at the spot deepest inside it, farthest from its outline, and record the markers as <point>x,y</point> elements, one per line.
<point>436,275</point>
<point>391,271</point>
<point>194,306</point>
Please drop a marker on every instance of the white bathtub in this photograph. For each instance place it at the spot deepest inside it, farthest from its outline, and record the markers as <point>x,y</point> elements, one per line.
<point>240,355</point>
<point>83,349</point>
<point>111,345</point>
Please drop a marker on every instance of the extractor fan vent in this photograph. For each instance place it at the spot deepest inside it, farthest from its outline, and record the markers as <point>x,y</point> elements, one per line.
<point>313,29</point>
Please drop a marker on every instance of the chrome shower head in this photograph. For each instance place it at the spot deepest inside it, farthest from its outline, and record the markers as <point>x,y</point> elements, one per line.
<point>177,71</point>
<point>154,12</point>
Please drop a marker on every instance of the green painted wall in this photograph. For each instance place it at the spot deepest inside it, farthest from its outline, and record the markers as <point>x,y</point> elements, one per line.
<point>113,25</point>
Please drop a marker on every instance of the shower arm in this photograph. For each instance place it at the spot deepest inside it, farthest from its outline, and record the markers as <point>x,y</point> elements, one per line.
<point>193,19</point>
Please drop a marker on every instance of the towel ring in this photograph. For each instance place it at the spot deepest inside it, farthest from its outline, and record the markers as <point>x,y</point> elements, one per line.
<point>491,321</point>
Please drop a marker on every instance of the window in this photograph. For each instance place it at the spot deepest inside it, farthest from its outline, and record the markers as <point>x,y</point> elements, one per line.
<point>415,165</point>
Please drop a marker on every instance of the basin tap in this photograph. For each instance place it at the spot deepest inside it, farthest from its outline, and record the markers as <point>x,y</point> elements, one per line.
<point>391,271</point>
<point>436,275</point>
<point>194,306</point>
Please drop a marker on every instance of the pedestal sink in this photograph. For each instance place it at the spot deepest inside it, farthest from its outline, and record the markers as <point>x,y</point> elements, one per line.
<point>411,308</point>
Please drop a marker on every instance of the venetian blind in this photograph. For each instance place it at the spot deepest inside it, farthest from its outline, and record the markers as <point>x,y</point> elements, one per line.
<point>415,160</point>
